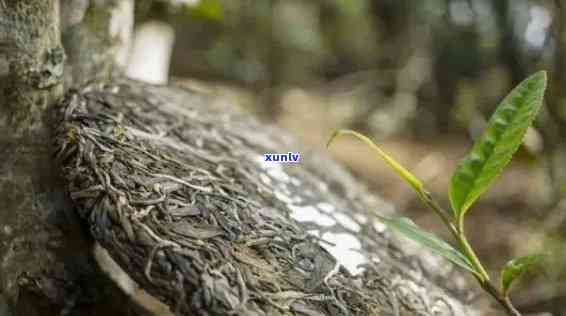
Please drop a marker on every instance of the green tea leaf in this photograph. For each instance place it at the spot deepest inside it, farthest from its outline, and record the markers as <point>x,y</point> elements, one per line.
<point>493,150</point>
<point>415,183</point>
<point>410,230</point>
<point>515,268</point>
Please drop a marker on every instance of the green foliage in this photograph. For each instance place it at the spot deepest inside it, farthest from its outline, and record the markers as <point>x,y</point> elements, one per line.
<point>515,268</point>
<point>503,135</point>
<point>415,183</point>
<point>410,230</point>
<point>472,177</point>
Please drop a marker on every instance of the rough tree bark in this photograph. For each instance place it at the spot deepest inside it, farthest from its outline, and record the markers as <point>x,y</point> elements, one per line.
<point>46,260</point>
<point>208,232</point>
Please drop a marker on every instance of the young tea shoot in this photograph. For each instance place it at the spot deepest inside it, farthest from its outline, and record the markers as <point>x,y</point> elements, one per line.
<point>473,176</point>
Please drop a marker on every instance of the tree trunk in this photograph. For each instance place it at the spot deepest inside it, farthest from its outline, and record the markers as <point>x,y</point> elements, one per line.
<point>47,265</point>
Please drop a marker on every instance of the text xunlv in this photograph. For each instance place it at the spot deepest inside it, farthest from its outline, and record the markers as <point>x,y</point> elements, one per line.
<point>288,157</point>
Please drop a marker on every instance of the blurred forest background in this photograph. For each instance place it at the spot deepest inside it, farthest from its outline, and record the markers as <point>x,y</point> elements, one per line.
<point>419,77</point>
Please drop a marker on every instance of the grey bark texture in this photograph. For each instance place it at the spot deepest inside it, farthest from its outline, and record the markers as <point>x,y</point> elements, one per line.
<point>46,262</point>
<point>170,182</point>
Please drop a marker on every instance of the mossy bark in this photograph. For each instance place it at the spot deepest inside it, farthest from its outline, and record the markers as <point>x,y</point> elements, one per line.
<point>46,260</point>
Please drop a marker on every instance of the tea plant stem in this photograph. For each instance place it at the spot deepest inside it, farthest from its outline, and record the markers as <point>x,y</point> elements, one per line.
<point>458,232</point>
<point>470,253</point>
<point>509,307</point>
<point>436,208</point>
<point>503,300</point>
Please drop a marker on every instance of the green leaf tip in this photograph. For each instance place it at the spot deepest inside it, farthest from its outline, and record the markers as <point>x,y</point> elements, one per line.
<point>517,267</point>
<point>407,228</point>
<point>495,148</point>
<point>415,183</point>
<point>334,135</point>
